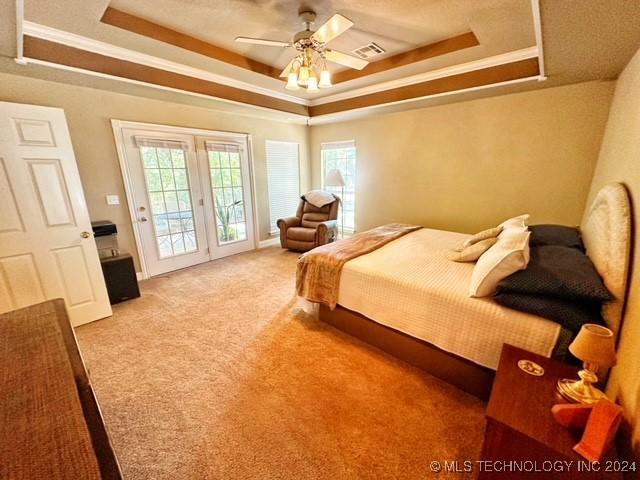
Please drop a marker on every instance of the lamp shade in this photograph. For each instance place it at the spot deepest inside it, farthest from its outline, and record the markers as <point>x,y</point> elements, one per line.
<point>334,178</point>
<point>594,344</point>
<point>312,84</point>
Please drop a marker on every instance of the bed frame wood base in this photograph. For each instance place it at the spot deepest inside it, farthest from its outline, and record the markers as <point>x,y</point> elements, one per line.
<point>462,373</point>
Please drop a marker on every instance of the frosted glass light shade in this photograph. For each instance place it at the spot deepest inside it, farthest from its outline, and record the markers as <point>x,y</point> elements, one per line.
<point>303,76</point>
<point>312,84</point>
<point>334,179</point>
<point>292,81</point>
<point>325,78</point>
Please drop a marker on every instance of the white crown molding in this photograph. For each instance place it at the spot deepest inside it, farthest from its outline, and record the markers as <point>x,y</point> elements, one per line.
<point>488,62</point>
<point>287,116</point>
<point>77,41</point>
<point>354,113</point>
<point>109,50</point>
<point>19,36</point>
<point>537,27</point>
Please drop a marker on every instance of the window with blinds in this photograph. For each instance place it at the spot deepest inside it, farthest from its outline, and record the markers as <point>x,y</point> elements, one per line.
<point>283,176</point>
<point>342,156</point>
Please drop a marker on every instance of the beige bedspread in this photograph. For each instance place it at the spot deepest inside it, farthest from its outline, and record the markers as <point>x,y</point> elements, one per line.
<point>411,286</point>
<point>318,271</point>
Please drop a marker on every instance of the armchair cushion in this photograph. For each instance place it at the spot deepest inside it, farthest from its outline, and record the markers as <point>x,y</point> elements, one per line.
<point>313,219</point>
<point>301,234</point>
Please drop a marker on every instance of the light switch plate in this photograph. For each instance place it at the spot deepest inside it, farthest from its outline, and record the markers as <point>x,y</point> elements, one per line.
<point>113,200</point>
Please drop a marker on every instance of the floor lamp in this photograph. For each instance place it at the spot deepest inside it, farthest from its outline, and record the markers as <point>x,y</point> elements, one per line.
<point>334,179</point>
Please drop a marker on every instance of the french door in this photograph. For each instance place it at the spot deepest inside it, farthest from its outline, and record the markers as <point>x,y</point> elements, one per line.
<point>191,196</point>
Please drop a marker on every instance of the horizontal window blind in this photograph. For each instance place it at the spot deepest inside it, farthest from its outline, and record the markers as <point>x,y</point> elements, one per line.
<point>283,175</point>
<point>338,145</point>
<point>221,147</point>
<point>160,143</point>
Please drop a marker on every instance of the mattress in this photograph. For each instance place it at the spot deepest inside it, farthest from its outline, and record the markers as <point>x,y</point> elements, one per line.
<point>411,286</point>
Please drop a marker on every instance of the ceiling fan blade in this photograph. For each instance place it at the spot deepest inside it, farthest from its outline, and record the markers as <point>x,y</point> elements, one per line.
<point>262,41</point>
<point>336,25</point>
<point>285,72</point>
<point>344,59</point>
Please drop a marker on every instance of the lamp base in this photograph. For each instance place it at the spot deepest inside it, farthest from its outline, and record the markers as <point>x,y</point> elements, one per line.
<point>579,391</point>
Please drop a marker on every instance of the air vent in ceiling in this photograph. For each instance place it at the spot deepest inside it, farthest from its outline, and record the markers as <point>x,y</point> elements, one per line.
<point>368,51</point>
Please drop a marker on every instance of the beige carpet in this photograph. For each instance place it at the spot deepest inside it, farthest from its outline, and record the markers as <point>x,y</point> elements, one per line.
<point>215,374</point>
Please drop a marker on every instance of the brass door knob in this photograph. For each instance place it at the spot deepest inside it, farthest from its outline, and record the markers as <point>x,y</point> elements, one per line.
<point>85,234</point>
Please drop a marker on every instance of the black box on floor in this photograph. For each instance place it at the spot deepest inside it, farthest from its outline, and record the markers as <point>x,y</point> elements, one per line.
<point>120,277</point>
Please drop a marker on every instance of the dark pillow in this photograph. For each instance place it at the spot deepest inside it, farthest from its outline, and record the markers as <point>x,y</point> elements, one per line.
<point>570,314</point>
<point>555,235</point>
<point>559,272</point>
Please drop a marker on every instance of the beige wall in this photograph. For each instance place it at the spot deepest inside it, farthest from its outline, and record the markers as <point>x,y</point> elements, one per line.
<point>466,166</point>
<point>620,162</point>
<point>89,112</point>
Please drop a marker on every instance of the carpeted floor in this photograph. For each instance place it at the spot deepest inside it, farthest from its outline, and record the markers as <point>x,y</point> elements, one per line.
<point>215,374</point>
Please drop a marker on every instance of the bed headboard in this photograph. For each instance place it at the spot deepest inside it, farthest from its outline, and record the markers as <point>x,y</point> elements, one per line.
<point>606,232</point>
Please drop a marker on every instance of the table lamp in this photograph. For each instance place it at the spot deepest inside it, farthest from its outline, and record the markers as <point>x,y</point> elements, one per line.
<point>594,345</point>
<point>335,179</point>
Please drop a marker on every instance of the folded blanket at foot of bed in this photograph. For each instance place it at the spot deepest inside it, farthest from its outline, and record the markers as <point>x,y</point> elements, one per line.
<point>318,271</point>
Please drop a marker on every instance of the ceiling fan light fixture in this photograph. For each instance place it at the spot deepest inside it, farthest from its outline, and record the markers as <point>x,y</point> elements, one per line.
<point>312,84</point>
<point>303,76</point>
<point>325,78</point>
<point>292,81</point>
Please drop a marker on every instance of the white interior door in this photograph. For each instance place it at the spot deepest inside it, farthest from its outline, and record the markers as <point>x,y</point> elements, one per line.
<point>167,199</point>
<point>226,183</point>
<point>46,245</point>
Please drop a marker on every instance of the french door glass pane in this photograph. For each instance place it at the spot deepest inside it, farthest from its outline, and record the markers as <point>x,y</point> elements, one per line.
<point>228,196</point>
<point>169,194</point>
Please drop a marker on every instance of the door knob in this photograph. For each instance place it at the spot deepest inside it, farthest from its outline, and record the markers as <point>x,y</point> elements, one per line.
<point>85,234</point>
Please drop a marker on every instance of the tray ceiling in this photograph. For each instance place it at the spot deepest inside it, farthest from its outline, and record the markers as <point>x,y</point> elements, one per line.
<point>505,31</point>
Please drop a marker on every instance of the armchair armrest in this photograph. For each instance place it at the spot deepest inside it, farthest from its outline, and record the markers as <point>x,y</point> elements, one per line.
<point>327,232</point>
<point>288,222</point>
<point>283,225</point>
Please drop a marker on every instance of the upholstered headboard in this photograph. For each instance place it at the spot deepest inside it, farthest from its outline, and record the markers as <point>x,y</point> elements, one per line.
<point>606,232</point>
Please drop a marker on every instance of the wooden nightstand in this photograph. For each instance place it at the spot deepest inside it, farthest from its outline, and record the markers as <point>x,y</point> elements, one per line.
<point>520,426</point>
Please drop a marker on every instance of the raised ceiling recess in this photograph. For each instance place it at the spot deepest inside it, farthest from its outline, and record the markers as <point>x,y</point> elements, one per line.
<point>421,49</point>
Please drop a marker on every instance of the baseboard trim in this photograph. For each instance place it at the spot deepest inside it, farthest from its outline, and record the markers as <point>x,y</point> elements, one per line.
<point>140,276</point>
<point>269,242</point>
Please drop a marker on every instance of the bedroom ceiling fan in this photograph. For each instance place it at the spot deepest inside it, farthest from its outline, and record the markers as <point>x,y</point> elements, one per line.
<point>309,68</point>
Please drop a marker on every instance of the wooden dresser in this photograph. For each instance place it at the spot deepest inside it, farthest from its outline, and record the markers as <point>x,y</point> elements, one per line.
<point>520,426</point>
<point>50,422</point>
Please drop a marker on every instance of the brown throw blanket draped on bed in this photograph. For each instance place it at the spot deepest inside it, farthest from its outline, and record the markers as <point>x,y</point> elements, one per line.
<point>318,272</point>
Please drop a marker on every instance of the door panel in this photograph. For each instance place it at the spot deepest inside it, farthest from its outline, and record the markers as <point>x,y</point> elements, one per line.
<point>46,247</point>
<point>74,272</point>
<point>10,220</point>
<point>33,132</point>
<point>20,283</point>
<point>228,197</point>
<point>53,198</point>
<point>167,198</point>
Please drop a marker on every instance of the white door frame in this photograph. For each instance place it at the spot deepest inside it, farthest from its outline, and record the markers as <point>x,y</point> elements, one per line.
<point>119,125</point>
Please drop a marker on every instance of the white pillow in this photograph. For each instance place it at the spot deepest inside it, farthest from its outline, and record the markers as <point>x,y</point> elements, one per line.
<point>520,222</point>
<point>472,252</point>
<point>509,254</point>
<point>478,237</point>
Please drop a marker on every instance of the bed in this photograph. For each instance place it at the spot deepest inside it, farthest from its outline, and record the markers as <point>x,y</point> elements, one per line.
<point>409,300</point>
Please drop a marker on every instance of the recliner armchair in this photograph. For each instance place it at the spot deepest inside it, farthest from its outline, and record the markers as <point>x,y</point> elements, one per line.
<point>311,227</point>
